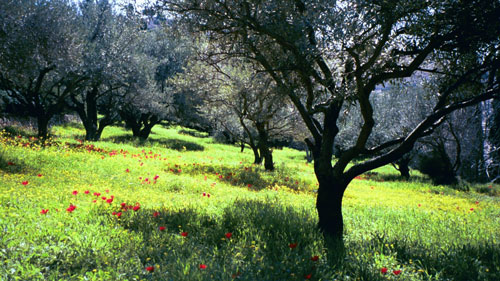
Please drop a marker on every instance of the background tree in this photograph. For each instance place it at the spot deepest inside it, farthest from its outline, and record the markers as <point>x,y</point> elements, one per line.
<point>109,42</point>
<point>340,51</point>
<point>39,52</point>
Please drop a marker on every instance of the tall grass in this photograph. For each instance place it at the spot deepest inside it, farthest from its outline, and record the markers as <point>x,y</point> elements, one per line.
<point>197,210</point>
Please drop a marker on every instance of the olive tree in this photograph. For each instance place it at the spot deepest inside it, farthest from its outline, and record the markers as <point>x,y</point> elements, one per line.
<point>39,55</point>
<point>323,54</point>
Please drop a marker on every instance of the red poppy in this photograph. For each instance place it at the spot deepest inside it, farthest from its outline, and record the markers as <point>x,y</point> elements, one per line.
<point>383,270</point>
<point>208,195</point>
<point>472,209</point>
<point>71,208</point>
<point>136,208</point>
<point>155,214</point>
<point>156,177</point>
<point>86,192</point>
<point>119,214</point>
<point>162,228</point>
<point>184,234</point>
<point>25,182</point>
<point>477,202</point>
<point>150,268</point>
<point>396,272</point>
<point>228,235</point>
<point>204,194</point>
<point>203,266</point>
<point>292,245</point>
<point>124,205</point>
<point>75,192</point>
<point>107,190</point>
<point>308,276</point>
<point>315,258</point>
<point>39,175</point>
<point>109,201</point>
<point>44,211</point>
<point>10,163</point>
<point>97,194</point>
<point>127,170</point>
<point>104,198</point>
<point>249,185</point>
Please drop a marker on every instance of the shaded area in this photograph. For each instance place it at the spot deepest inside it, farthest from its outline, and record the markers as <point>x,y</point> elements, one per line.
<point>251,176</point>
<point>193,133</point>
<point>258,248</point>
<point>175,144</point>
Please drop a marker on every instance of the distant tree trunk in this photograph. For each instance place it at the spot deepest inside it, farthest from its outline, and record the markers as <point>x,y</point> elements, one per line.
<point>242,145</point>
<point>256,154</point>
<point>90,122</point>
<point>402,165</point>
<point>309,156</point>
<point>43,125</point>
<point>149,123</point>
<point>263,145</point>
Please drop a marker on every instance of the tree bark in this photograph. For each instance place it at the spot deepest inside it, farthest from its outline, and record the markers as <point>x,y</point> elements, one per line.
<point>43,125</point>
<point>264,150</point>
<point>256,155</point>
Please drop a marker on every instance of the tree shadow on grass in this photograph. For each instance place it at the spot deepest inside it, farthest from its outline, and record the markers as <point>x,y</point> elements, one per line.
<point>254,240</point>
<point>175,144</point>
<point>458,262</point>
<point>253,177</point>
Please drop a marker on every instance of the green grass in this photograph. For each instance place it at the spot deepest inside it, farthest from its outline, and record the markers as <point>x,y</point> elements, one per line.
<point>428,232</point>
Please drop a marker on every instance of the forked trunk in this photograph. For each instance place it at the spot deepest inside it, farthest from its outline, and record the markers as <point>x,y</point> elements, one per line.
<point>256,155</point>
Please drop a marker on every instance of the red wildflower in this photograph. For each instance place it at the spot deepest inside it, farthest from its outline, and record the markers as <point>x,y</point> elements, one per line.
<point>44,211</point>
<point>315,258</point>
<point>477,202</point>
<point>104,198</point>
<point>292,245</point>
<point>25,182</point>
<point>119,214</point>
<point>249,185</point>
<point>308,276</point>
<point>228,235</point>
<point>162,228</point>
<point>472,209</point>
<point>107,190</point>
<point>419,205</point>
<point>136,208</point>
<point>71,208</point>
<point>156,177</point>
<point>127,170</point>
<point>10,163</point>
<point>184,234</point>
<point>396,272</point>
<point>75,192</point>
<point>110,200</point>
<point>155,214</point>
<point>39,175</point>
<point>86,192</point>
<point>204,194</point>
<point>203,266</point>
<point>97,194</point>
<point>383,270</point>
<point>150,268</point>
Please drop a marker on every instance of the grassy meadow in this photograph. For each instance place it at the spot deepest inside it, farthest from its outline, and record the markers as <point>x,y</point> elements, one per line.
<point>182,207</point>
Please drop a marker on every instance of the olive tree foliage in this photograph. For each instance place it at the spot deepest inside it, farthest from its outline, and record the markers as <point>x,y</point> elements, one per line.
<point>39,53</point>
<point>109,41</point>
<point>244,105</point>
<point>323,54</point>
<point>148,97</point>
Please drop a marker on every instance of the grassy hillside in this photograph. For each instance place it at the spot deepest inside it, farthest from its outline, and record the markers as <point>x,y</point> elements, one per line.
<point>181,207</point>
